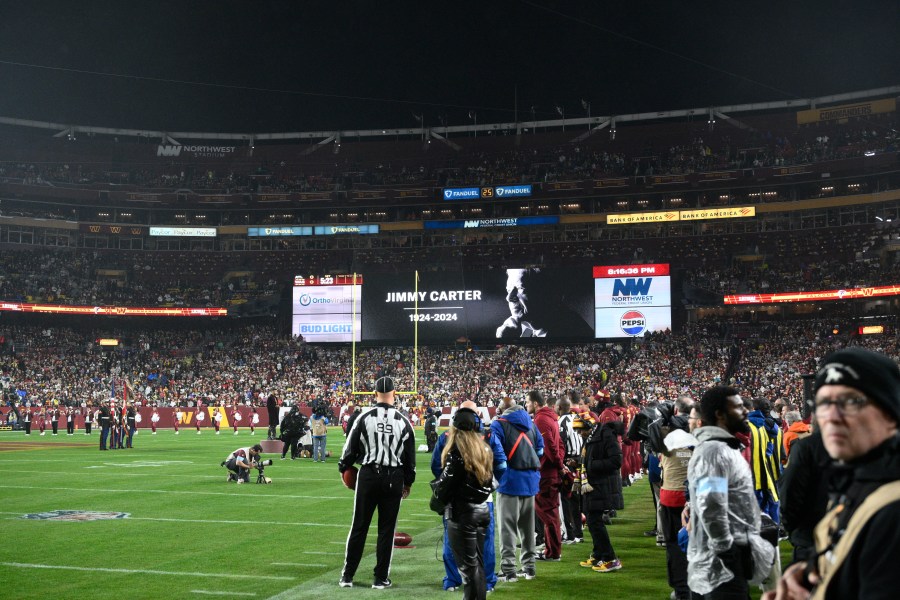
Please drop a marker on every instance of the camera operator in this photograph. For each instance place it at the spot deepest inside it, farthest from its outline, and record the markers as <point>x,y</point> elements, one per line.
<point>293,427</point>
<point>240,462</point>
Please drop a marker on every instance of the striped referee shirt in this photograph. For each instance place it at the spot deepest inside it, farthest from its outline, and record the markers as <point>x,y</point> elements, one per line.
<point>381,436</point>
<point>571,438</point>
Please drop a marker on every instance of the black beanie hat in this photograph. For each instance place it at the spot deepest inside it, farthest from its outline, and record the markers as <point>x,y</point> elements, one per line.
<point>874,374</point>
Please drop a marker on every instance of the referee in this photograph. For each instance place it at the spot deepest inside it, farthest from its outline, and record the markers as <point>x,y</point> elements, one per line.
<point>382,441</point>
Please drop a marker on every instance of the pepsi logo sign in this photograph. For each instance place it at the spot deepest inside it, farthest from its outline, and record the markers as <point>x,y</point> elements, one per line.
<point>633,323</point>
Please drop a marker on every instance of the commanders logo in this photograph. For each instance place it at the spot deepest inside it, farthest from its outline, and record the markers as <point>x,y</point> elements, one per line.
<point>633,323</point>
<point>75,515</point>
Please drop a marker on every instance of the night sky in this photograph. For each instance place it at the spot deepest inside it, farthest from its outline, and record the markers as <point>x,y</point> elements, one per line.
<point>303,65</point>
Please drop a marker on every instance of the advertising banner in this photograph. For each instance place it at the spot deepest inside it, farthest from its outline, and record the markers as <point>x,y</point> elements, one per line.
<point>732,212</point>
<point>815,296</point>
<point>642,217</point>
<point>183,231</point>
<point>345,229</point>
<point>323,309</point>
<point>278,231</point>
<point>631,322</point>
<point>630,300</point>
<point>126,311</point>
<point>845,111</point>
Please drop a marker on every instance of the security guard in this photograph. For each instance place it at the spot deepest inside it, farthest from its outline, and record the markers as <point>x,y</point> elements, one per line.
<point>382,441</point>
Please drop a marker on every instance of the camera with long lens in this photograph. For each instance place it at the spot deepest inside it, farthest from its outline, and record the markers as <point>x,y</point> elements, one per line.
<point>261,470</point>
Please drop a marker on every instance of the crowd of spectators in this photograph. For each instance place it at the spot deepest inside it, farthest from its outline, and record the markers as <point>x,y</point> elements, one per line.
<point>646,154</point>
<point>244,364</point>
<point>719,264</point>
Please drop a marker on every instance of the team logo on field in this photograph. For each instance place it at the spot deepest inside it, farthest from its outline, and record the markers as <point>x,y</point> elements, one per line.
<point>75,515</point>
<point>633,322</point>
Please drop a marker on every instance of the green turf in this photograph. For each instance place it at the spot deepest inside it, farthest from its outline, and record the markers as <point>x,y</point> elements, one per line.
<point>202,534</point>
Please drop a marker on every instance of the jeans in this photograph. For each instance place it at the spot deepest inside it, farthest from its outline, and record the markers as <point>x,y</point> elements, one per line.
<point>319,447</point>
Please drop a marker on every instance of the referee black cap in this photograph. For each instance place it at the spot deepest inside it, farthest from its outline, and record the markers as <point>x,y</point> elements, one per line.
<point>384,385</point>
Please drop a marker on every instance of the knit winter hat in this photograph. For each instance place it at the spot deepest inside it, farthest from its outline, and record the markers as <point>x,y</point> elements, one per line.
<point>874,374</point>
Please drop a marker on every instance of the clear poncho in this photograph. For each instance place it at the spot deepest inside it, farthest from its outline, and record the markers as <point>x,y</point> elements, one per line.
<point>724,511</point>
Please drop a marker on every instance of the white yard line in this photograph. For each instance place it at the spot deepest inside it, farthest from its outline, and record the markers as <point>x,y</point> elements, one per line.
<point>281,564</point>
<point>119,491</point>
<point>143,571</point>
<point>218,521</point>
<point>211,593</point>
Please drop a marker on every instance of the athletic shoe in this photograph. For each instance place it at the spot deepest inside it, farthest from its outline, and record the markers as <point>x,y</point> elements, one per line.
<point>546,558</point>
<point>608,566</point>
<point>507,577</point>
<point>528,574</point>
<point>344,583</point>
<point>651,533</point>
<point>590,562</point>
<point>569,542</point>
<point>240,481</point>
<point>381,584</point>
<point>450,589</point>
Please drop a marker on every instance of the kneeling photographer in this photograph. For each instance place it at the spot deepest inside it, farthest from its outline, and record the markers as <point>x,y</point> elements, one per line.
<point>241,461</point>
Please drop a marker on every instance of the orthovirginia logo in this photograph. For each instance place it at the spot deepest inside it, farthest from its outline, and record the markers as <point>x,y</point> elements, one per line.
<point>76,515</point>
<point>305,300</point>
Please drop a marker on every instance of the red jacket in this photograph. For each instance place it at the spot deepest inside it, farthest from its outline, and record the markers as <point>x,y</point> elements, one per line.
<point>546,420</point>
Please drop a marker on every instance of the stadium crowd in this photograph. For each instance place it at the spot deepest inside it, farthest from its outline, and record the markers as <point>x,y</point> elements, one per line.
<point>238,363</point>
<point>649,154</point>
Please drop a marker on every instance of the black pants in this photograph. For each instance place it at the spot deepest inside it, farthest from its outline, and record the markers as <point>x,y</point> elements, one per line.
<point>465,532</point>
<point>379,488</point>
<point>55,425</point>
<point>87,427</point>
<point>28,428</point>
<point>571,507</point>
<point>290,443</point>
<point>603,549</point>
<point>70,427</point>
<point>738,561</point>
<point>242,474</point>
<point>271,434</point>
<point>676,560</point>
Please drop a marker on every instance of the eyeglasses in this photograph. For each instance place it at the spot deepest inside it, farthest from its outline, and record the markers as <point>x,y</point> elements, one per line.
<point>846,405</point>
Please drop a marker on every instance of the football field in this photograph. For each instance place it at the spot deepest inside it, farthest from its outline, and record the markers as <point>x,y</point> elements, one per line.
<point>160,521</point>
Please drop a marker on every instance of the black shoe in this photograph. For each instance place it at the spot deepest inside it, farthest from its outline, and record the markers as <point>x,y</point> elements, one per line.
<point>651,533</point>
<point>222,464</point>
<point>546,558</point>
<point>381,584</point>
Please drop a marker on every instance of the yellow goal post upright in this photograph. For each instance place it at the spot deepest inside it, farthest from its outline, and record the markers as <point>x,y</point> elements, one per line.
<point>415,389</point>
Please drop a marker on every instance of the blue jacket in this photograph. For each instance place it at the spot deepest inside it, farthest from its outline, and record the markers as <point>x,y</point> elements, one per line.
<point>496,448</point>
<point>515,482</point>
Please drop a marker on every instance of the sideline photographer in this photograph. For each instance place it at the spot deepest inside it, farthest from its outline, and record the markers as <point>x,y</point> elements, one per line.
<point>240,462</point>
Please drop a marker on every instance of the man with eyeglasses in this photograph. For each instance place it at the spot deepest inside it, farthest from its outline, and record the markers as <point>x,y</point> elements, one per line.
<point>857,407</point>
